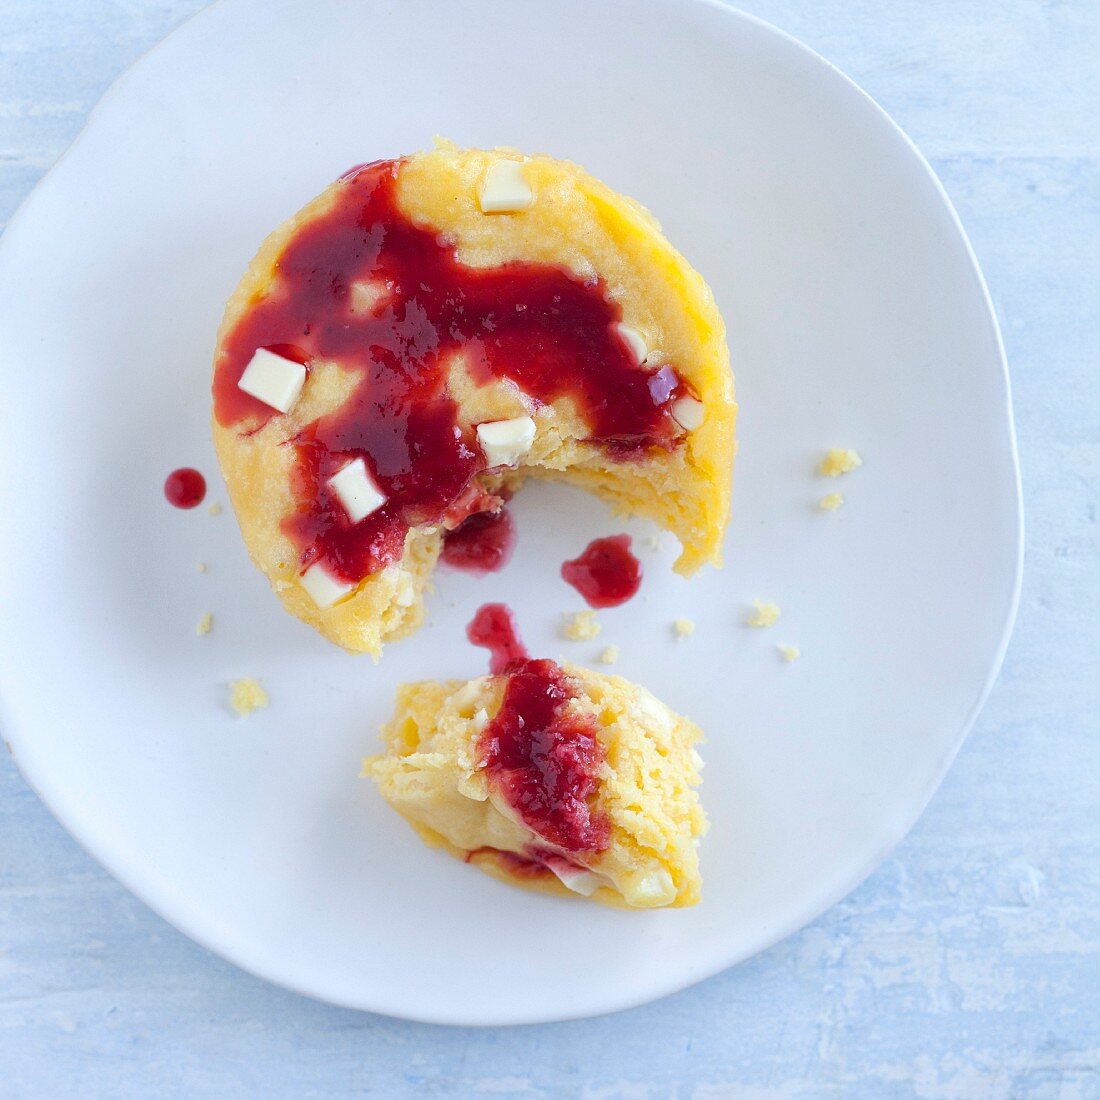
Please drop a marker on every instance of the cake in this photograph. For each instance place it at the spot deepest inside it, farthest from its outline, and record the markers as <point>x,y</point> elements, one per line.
<point>551,777</point>
<point>431,331</point>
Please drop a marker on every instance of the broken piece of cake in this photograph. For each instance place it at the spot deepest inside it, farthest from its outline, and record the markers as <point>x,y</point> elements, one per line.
<point>431,331</point>
<point>551,777</point>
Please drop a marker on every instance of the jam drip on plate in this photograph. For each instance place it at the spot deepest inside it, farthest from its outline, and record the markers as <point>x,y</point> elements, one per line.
<point>545,760</point>
<point>360,286</point>
<point>185,488</point>
<point>494,627</point>
<point>607,573</point>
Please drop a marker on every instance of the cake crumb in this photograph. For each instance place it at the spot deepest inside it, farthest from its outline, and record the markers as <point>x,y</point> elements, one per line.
<point>831,502</point>
<point>653,542</point>
<point>205,623</point>
<point>789,652</point>
<point>839,461</point>
<point>200,567</point>
<point>684,628</point>
<point>609,655</point>
<point>246,695</point>
<point>764,615</point>
<point>215,509</point>
<point>581,626</point>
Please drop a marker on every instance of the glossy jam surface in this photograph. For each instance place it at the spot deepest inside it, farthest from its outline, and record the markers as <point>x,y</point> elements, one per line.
<point>607,573</point>
<point>481,543</point>
<point>494,626</point>
<point>534,324</point>
<point>545,760</point>
<point>185,488</point>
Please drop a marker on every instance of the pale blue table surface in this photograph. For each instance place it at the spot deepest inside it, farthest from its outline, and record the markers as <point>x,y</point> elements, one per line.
<point>969,964</point>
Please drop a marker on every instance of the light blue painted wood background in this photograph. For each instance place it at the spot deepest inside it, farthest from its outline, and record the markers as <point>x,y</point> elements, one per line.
<point>967,966</point>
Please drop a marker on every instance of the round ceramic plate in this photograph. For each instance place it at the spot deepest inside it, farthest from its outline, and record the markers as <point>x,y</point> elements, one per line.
<point>857,318</point>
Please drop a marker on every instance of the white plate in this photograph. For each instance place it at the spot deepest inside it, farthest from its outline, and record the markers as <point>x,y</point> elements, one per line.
<point>857,316</point>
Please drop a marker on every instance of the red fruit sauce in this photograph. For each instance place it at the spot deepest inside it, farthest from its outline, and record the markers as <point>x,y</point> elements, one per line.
<point>482,543</point>
<point>536,862</point>
<point>513,862</point>
<point>494,626</point>
<point>536,325</point>
<point>185,488</point>
<point>545,760</point>
<point>606,574</point>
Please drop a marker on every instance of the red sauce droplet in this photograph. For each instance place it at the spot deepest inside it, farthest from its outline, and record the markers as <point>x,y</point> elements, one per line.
<point>546,760</point>
<point>185,487</point>
<point>607,573</point>
<point>494,626</point>
<point>482,543</point>
<point>536,325</point>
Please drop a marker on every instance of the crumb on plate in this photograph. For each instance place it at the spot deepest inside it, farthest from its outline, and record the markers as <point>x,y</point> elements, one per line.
<point>764,614</point>
<point>200,567</point>
<point>839,461</point>
<point>831,502</point>
<point>205,623</point>
<point>609,655</point>
<point>581,626</point>
<point>215,509</point>
<point>246,695</point>
<point>789,652</point>
<point>683,627</point>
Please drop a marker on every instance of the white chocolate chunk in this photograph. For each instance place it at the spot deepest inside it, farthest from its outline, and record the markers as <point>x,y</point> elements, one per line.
<point>656,888</point>
<point>505,442</point>
<point>634,340</point>
<point>273,380</point>
<point>322,587</point>
<point>366,295</point>
<point>688,413</point>
<point>356,490</point>
<point>504,189</point>
<point>578,879</point>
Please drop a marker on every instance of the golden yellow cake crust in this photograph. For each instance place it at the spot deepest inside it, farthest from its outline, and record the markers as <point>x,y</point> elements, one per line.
<point>575,222</point>
<point>434,774</point>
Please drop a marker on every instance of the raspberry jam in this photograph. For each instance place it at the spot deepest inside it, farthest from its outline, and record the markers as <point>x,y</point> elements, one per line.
<point>359,285</point>
<point>494,626</point>
<point>607,573</point>
<point>546,760</point>
<point>512,862</point>
<point>185,488</point>
<point>535,863</point>
<point>481,543</point>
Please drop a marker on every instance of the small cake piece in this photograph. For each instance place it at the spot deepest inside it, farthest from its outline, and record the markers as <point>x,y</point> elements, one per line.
<point>432,331</point>
<point>581,626</point>
<point>609,655</point>
<point>551,777</point>
<point>830,502</point>
<point>789,652</point>
<point>246,695</point>
<point>839,461</point>
<point>205,624</point>
<point>684,628</point>
<point>763,614</point>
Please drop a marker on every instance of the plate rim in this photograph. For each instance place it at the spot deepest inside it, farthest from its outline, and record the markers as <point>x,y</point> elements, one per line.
<point>892,834</point>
